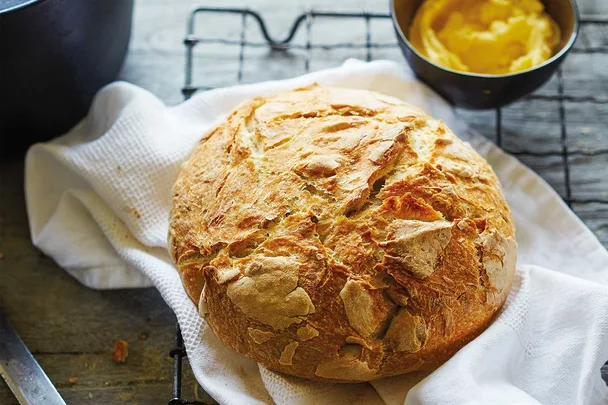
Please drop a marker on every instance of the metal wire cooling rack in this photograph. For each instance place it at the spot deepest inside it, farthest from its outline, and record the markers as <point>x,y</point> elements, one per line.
<point>305,21</point>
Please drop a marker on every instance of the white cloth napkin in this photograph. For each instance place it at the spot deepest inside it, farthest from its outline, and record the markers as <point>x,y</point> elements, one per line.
<point>98,200</point>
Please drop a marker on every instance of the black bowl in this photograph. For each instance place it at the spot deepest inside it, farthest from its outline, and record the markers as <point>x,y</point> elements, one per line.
<point>481,91</point>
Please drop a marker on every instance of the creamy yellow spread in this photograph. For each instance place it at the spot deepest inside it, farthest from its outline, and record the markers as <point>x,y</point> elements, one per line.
<point>485,36</point>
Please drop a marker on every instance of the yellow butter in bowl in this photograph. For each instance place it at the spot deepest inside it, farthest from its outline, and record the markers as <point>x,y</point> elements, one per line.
<point>485,36</point>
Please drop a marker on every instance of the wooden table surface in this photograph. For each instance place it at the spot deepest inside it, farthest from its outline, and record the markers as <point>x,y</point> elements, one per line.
<point>71,329</point>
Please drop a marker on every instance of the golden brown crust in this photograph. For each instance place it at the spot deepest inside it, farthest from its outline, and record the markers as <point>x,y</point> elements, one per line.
<point>341,235</point>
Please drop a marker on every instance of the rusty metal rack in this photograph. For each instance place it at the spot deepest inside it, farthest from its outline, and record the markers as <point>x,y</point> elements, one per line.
<point>305,22</point>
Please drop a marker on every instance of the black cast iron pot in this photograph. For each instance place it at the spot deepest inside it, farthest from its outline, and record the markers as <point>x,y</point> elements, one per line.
<point>54,56</point>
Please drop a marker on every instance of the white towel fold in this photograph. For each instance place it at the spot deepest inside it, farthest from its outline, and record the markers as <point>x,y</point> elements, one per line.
<point>98,201</point>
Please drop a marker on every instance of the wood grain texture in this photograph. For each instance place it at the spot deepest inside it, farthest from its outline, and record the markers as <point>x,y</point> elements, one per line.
<point>71,329</point>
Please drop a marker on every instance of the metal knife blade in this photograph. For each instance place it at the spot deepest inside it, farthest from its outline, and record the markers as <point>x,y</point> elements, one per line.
<point>22,372</point>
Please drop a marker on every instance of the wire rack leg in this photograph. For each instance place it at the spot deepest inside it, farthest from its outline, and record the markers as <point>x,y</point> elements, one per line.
<point>309,19</point>
<point>499,127</point>
<point>242,48</point>
<point>178,352</point>
<point>564,138</point>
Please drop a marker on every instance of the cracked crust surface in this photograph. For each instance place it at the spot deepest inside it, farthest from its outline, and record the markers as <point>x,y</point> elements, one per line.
<point>341,235</point>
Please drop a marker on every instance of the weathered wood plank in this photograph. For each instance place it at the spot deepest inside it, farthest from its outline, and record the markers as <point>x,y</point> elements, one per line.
<point>595,217</point>
<point>586,126</point>
<point>161,74</point>
<point>588,175</point>
<point>586,75</point>
<point>71,329</point>
<point>592,36</point>
<point>527,125</point>
<point>146,394</point>
<point>593,7</point>
<point>91,387</point>
<point>549,168</point>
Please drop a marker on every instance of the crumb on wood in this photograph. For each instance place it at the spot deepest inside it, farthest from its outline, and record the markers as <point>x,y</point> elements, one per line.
<point>92,366</point>
<point>72,380</point>
<point>143,336</point>
<point>121,351</point>
<point>90,395</point>
<point>125,396</point>
<point>147,380</point>
<point>196,396</point>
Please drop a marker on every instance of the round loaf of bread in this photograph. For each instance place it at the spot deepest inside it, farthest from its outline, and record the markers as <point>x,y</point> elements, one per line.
<point>341,235</point>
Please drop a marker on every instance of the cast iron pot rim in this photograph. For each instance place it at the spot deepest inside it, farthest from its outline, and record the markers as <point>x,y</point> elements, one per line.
<point>24,4</point>
<point>565,49</point>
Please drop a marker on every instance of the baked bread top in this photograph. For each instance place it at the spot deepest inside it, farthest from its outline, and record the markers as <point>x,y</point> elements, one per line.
<point>341,235</point>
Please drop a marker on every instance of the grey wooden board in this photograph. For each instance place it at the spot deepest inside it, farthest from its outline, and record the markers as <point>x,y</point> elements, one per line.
<point>71,329</point>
